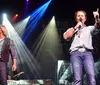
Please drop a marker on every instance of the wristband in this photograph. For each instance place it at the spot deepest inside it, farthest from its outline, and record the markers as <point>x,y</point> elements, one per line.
<point>74,28</point>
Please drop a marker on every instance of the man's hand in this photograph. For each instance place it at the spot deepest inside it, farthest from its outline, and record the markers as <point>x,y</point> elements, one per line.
<point>78,25</point>
<point>97,20</point>
<point>96,13</point>
<point>13,67</point>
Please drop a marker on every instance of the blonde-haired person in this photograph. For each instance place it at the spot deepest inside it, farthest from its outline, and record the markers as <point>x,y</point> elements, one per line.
<point>6,49</point>
<point>3,30</point>
<point>81,47</point>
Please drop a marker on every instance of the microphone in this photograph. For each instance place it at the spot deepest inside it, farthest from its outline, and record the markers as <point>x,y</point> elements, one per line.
<point>80,21</point>
<point>79,28</point>
<point>97,18</point>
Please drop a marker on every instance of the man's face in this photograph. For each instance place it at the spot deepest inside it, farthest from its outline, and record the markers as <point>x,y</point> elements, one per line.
<point>0,31</point>
<point>80,16</point>
<point>3,30</point>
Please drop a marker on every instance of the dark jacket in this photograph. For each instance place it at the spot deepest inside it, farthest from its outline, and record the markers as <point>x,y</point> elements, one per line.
<point>7,50</point>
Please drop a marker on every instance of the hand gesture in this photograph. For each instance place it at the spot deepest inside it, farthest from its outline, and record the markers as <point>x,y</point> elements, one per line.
<point>13,67</point>
<point>96,13</point>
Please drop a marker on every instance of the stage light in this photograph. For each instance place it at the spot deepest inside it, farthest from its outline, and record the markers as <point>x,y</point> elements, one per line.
<point>49,40</point>
<point>26,8</point>
<point>25,60</point>
<point>16,15</point>
<point>4,15</point>
<point>20,26</point>
<point>34,20</point>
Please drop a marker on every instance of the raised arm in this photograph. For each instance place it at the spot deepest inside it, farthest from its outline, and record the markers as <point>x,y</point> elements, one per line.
<point>96,16</point>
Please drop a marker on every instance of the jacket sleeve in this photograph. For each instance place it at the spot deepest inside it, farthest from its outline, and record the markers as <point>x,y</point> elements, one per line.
<point>12,49</point>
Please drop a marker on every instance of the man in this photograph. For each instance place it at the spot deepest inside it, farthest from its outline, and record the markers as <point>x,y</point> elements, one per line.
<point>81,47</point>
<point>6,49</point>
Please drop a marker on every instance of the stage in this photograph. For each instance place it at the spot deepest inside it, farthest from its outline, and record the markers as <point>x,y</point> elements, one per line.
<point>30,82</point>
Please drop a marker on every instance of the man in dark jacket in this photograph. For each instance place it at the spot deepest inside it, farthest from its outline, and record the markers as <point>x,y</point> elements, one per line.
<point>6,49</point>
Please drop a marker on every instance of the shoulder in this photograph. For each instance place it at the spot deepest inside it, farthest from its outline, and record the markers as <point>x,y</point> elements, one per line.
<point>90,27</point>
<point>7,39</point>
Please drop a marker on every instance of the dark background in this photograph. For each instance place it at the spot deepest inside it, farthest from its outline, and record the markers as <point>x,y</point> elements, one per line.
<point>63,10</point>
<point>60,8</point>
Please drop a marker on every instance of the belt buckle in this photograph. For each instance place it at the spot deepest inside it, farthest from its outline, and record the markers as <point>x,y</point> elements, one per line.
<point>81,49</point>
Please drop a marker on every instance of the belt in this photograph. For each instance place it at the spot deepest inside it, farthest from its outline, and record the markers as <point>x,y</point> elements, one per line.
<point>82,50</point>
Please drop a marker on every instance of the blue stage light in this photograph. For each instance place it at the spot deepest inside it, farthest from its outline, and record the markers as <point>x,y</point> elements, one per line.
<point>35,17</point>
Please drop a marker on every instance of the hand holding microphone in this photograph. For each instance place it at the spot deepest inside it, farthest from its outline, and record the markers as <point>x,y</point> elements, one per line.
<point>79,24</point>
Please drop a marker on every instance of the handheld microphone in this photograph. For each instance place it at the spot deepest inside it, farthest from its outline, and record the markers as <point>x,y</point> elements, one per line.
<point>79,28</point>
<point>80,21</point>
<point>97,18</point>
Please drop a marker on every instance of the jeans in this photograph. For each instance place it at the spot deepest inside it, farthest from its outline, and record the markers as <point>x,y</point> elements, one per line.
<point>3,73</point>
<point>80,60</point>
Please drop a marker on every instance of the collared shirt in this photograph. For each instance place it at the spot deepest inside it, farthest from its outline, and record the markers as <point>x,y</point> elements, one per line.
<point>83,38</point>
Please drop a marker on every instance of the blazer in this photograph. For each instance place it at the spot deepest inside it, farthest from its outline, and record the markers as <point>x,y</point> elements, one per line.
<point>7,50</point>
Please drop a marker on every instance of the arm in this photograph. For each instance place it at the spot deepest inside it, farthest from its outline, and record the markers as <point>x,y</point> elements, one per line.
<point>97,24</point>
<point>69,33</point>
<point>97,20</point>
<point>14,65</point>
<point>13,55</point>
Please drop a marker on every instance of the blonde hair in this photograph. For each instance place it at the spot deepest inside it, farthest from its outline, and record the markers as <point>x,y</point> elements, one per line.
<point>3,29</point>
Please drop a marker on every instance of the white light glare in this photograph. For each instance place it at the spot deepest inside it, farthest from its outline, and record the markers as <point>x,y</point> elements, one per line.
<point>4,15</point>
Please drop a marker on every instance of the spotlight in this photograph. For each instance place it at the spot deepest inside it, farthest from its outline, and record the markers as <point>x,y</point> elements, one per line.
<point>16,15</point>
<point>4,15</point>
<point>34,20</point>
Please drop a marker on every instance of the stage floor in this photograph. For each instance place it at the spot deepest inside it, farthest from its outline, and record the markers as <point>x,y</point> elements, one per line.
<point>29,82</point>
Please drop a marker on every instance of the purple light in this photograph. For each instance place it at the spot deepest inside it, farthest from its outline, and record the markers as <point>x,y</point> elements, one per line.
<point>27,0</point>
